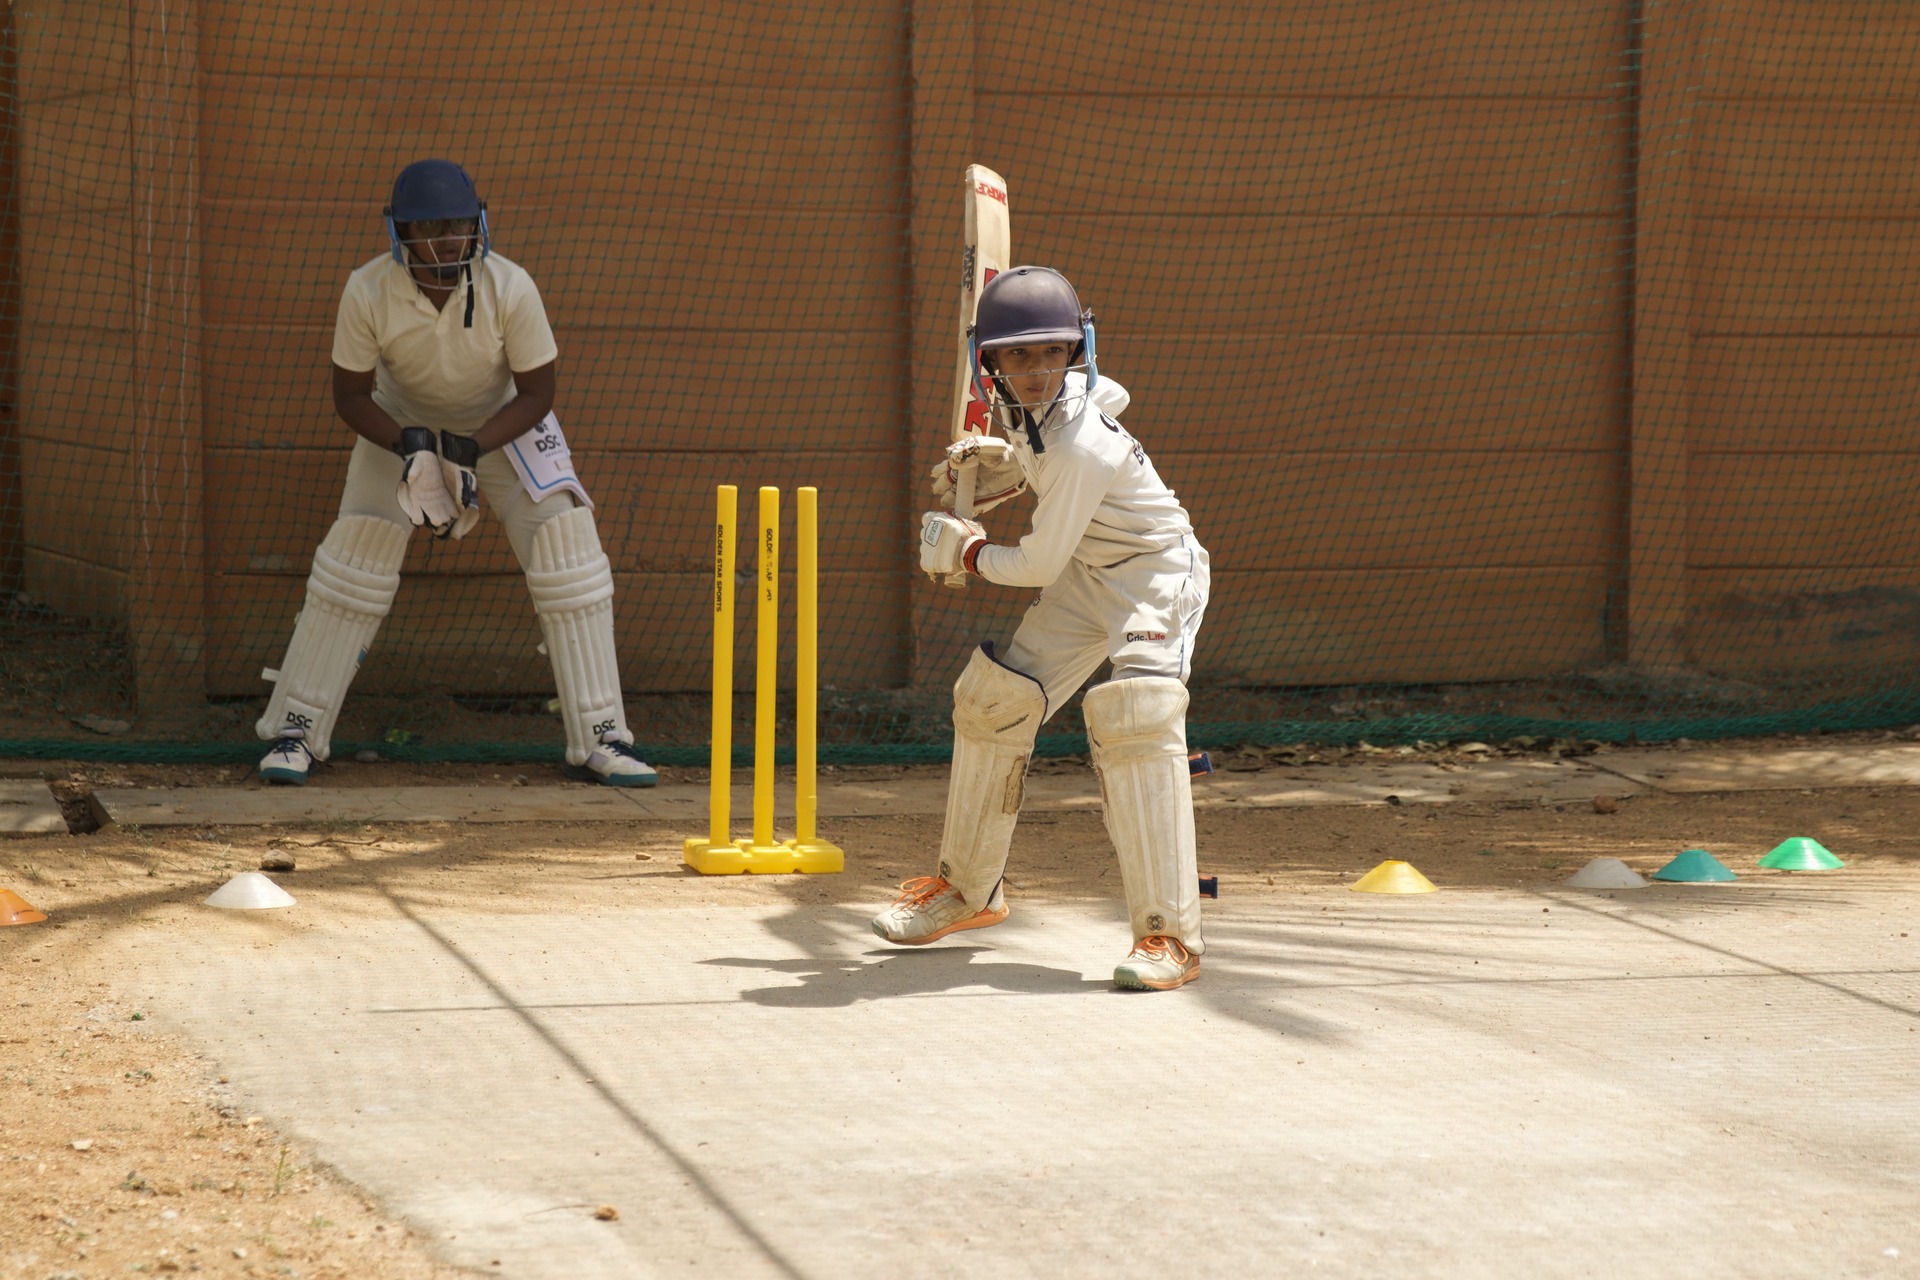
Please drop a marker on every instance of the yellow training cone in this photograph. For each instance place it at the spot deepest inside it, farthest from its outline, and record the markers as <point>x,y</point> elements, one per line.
<point>1393,876</point>
<point>15,909</point>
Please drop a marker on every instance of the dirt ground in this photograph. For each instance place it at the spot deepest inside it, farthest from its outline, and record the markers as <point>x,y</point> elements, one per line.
<point>122,1150</point>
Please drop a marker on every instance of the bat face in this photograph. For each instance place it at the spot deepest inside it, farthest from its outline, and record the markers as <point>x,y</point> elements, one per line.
<point>985,255</point>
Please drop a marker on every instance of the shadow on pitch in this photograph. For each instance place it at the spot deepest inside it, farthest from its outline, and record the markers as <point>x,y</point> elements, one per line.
<point>835,983</point>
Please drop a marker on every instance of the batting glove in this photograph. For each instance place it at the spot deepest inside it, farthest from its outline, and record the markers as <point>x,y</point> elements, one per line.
<point>997,475</point>
<point>949,544</point>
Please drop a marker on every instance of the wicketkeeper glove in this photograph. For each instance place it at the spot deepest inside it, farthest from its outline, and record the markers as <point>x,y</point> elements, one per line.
<point>459,455</point>
<point>423,493</point>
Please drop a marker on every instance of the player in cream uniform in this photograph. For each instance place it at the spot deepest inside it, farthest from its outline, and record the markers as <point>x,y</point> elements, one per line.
<point>1122,577</point>
<point>443,363</point>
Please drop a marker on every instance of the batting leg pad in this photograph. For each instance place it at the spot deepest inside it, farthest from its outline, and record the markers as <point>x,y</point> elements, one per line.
<point>1137,729</point>
<point>996,713</point>
<point>571,581</point>
<point>356,572</point>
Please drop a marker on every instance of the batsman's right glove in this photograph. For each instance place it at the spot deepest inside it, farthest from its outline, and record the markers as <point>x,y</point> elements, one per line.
<point>997,474</point>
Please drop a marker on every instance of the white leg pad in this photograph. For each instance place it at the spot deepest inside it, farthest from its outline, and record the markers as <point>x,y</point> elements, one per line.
<point>356,572</point>
<point>1137,729</point>
<point>571,581</point>
<point>996,713</point>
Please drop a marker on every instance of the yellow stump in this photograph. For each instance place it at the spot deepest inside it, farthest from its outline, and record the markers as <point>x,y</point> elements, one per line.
<point>811,852</point>
<point>762,852</point>
<point>717,854</point>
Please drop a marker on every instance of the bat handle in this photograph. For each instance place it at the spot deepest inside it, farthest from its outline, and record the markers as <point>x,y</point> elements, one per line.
<point>962,507</point>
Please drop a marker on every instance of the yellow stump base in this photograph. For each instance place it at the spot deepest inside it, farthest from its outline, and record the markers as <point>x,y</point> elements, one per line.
<point>818,857</point>
<point>1393,876</point>
<point>711,859</point>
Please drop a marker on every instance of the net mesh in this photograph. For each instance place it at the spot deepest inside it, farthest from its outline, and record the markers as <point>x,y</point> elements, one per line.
<point>1529,370</point>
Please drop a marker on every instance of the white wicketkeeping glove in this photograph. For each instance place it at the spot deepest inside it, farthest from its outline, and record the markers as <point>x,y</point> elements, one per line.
<point>997,474</point>
<point>459,455</point>
<point>945,540</point>
<point>423,493</point>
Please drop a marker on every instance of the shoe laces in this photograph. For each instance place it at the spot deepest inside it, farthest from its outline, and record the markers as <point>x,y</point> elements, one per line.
<point>287,746</point>
<point>921,890</point>
<point>619,746</point>
<point>1162,946</point>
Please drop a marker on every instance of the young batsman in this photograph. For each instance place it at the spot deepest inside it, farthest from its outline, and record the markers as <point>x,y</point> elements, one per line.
<point>443,363</point>
<point>1122,577</point>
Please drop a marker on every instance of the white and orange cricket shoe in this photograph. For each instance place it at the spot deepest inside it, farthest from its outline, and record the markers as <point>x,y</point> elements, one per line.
<point>929,909</point>
<point>1159,963</point>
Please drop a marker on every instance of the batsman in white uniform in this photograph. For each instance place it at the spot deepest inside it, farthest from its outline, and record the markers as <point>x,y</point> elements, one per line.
<point>1122,577</point>
<point>443,363</point>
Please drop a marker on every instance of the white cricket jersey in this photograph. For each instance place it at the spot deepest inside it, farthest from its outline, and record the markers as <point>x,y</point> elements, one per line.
<point>431,368</point>
<point>1100,500</point>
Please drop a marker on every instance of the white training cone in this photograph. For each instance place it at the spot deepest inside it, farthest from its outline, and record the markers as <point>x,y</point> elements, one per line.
<point>1606,873</point>
<point>249,891</point>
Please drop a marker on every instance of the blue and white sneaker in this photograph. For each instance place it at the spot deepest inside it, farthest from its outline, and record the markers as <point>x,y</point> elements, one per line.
<point>288,761</point>
<point>615,763</point>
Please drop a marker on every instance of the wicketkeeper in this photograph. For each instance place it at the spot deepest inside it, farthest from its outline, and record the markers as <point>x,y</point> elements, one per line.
<point>1122,577</point>
<point>443,363</point>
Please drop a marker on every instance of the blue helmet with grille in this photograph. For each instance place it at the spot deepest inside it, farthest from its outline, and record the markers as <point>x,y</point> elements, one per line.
<point>435,192</point>
<point>1028,306</point>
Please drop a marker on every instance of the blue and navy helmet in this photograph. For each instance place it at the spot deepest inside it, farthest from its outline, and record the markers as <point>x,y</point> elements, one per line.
<point>435,191</point>
<point>1029,306</point>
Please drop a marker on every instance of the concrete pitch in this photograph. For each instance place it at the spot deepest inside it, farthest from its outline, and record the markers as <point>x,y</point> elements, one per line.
<point>1688,1080</point>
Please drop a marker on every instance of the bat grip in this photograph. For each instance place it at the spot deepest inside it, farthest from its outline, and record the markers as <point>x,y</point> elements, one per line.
<point>962,507</point>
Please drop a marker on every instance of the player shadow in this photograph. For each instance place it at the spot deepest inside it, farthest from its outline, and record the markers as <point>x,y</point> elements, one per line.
<point>827,983</point>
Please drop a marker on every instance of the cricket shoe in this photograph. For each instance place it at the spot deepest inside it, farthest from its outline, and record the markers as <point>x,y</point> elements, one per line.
<point>615,763</point>
<point>1158,963</point>
<point>929,909</point>
<point>288,761</point>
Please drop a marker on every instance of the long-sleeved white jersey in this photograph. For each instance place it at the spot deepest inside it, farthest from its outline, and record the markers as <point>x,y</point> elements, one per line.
<point>1100,500</point>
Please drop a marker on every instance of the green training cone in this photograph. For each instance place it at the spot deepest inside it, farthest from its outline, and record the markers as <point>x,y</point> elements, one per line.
<point>1800,853</point>
<point>1695,866</point>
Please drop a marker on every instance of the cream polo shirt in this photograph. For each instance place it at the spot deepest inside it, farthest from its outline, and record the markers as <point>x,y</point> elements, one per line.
<point>429,368</point>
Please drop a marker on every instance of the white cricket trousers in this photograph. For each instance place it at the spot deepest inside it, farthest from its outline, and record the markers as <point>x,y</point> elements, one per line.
<point>1142,613</point>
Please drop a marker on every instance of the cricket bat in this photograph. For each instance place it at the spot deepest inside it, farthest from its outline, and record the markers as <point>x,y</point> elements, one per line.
<point>988,252</point>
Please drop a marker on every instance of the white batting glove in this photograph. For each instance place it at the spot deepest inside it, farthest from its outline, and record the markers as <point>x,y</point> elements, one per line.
<point>997,475</point>
<point>423,493</point>
<point>459,455</point>
<point>945,541</point>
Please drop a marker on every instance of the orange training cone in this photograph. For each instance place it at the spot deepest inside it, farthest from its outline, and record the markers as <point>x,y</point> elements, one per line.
<point>15,909</point>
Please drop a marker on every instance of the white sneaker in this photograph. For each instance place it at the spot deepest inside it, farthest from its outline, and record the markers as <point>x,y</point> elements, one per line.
<point>1158,963</point>
<point>929,909</point>
<point>615,763</point>
<point>288,761</point>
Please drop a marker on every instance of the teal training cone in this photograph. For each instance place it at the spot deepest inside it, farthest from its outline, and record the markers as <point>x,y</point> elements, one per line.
<point>1800,853</point>
<point>1695,866</point>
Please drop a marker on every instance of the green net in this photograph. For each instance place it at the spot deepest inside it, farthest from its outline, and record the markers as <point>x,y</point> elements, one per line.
<point>1529,370</point>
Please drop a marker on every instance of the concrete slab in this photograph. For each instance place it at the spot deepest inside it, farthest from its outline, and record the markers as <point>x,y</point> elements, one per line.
<point>27,808</point>
<point>1788,770</point>
<point>1684,1081</point>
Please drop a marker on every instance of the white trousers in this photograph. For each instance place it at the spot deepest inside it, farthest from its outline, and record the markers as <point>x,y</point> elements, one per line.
<point>1142,613</point>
